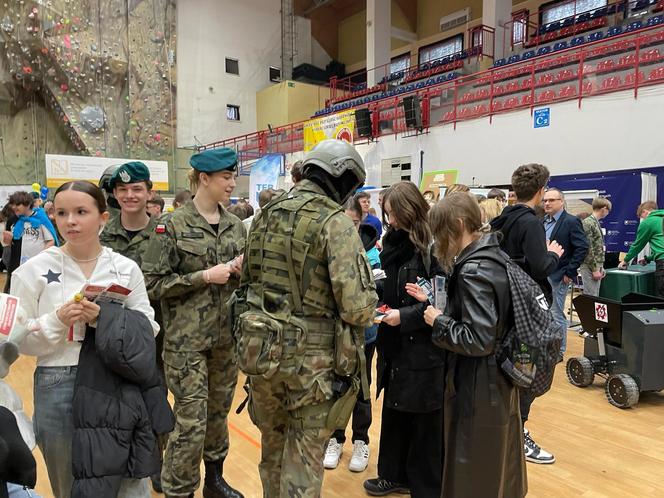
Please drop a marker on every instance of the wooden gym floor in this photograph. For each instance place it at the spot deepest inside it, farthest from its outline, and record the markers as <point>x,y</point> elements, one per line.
<point>601,451</point>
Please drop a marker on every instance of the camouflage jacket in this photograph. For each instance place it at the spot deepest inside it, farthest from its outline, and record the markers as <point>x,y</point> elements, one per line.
<point>182,246</point>
<point>595,257</point>
<point>115,237</point>
<point>335,280</point>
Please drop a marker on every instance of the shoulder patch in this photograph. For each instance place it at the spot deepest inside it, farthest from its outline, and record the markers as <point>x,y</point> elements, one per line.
<point>160,228</point>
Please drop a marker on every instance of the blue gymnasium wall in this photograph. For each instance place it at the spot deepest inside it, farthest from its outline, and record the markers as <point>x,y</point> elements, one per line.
<point>623,189</point>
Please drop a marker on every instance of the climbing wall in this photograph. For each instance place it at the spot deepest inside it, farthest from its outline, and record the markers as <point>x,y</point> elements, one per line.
<point>104,69</point>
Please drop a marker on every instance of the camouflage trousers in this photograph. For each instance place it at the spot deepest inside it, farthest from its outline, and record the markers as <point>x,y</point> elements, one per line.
<point>203,384</point>
<point>291,411</point>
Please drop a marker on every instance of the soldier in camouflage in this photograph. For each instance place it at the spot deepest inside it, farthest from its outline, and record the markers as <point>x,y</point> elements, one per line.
<point>113,207</point>
<point>306,294</point>
<point>191,265</point>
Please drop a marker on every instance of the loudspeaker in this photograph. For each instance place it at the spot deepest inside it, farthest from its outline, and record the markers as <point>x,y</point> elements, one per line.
<point>363,122</point>
<point>412,111</point>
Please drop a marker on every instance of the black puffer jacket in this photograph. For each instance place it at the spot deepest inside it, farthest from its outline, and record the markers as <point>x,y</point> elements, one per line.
<point>119,404</point>
<point>483,431</point>
<point>409,366</point>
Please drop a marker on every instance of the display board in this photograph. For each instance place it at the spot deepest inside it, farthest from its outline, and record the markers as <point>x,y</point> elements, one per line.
<point>62,169</point>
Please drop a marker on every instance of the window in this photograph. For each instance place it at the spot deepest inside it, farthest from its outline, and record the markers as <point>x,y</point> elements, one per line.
<point>275,74</point>
<point>441,49</point>
<point>476,36</point>
<point>232,66</point>
<point>233,112</point>
<point>519,26</point>
<point>400,63</point>
<point>560,11</point>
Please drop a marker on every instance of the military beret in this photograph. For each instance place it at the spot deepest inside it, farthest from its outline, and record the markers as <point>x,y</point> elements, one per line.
<point>132,172</point>
<point>213,160</point>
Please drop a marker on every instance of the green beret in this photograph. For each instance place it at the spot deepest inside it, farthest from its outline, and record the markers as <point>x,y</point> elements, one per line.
<point>213,160</point>
<point>132,172</point>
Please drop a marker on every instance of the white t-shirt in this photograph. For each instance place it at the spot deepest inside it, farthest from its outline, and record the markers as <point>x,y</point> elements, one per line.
<point>50,279</point>
<point>33,241</point>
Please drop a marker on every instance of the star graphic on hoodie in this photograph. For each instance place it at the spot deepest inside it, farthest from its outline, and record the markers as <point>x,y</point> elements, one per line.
<point>51,276</point>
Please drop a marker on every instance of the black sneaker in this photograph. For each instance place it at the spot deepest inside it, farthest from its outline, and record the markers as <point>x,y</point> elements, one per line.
<point>382,487</point>
<point>534,453</point>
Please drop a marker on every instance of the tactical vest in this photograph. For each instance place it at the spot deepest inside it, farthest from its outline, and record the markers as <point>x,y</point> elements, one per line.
<point>289,303</point>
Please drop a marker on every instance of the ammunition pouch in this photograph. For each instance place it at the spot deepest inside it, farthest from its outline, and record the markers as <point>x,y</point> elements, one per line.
<point>258,343</point>
<point>346,390</point>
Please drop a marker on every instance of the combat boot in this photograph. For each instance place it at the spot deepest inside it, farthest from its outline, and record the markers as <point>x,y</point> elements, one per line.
<point>215,486</point>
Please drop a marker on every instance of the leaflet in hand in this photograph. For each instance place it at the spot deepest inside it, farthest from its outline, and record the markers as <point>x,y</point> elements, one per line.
<point>113,293</point>
<point>381,312</point>
<point>8,313</point>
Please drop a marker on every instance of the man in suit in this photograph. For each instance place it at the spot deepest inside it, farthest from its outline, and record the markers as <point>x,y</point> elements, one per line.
<point>567,230</point>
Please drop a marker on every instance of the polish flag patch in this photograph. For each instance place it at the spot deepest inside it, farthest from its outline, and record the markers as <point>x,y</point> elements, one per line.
<point>160,228</point>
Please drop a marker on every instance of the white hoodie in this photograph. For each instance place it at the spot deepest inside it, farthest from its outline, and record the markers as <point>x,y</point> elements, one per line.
<point>50,279</point>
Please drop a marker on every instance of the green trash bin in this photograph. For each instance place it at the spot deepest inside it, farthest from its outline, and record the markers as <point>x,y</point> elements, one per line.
<point>637,278</point>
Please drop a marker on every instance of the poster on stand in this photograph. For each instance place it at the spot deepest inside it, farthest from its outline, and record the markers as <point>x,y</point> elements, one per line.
<point>433,180</point>
<point>340,125</point>
<point>264,175</point>
<point>62,169</point>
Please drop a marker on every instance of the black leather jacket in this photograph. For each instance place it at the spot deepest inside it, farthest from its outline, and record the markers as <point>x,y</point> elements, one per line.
<point>483,433</point>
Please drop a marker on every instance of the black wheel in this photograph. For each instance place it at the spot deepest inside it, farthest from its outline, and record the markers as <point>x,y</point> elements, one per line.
<point>580,371</point>
<point>622,391</point>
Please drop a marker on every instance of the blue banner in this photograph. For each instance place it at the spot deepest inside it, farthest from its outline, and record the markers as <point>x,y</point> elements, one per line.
<point>264,175</point>
<point>623,189</point>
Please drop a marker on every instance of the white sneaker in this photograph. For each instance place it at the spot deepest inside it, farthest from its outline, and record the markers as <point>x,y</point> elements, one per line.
<point>360,458</point>
<point>332,454</point>
<point>534,453</point>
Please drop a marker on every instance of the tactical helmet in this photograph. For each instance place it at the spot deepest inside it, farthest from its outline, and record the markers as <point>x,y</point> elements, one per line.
<point>105,185</point>
<point>341,161</point>
<point>105,180</point>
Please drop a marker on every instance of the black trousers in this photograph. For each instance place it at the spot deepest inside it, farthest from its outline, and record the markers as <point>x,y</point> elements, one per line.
<point>659,277</point>
<point>362,410</point>
<point>411,451</point>
<point>525,402</point>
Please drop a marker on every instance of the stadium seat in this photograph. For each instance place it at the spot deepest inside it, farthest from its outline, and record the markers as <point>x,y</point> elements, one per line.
<point>512,59</point>
<point>546,96</point>
<point>528,55</point>
<point>596,36</point>
<point>631,78</point>
<point>611,83</point>
<point>499,62</point>
<point>584,17</point>
<point>527,100</point>
<point>614,31</point>
<point>511,103</point>
<point>497,105</point>
<point>560,46</point>
<point>579,40</point>
<point>544,50</point>
<point>567,91</point>
<point>633,26</point>
<point>656,74</point>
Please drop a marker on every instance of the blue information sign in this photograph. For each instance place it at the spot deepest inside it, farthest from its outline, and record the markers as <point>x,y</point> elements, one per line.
<point>542,117</point>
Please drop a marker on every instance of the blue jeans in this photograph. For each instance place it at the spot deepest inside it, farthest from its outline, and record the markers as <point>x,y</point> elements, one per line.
<point>16,491</point>
<point>54,429</point>
<point>560,289</point>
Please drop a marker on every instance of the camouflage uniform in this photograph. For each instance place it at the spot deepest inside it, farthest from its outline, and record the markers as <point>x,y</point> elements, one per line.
<point>199,357</point>
<point>595,258</point>
<point>332,289</point>
<point>115,237</point>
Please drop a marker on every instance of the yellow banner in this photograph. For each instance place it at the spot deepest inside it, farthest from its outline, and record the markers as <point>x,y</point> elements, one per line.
<point>340,125</point>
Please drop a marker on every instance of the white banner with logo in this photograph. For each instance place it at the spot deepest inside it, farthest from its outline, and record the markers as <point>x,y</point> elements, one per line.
<point>63,169</point>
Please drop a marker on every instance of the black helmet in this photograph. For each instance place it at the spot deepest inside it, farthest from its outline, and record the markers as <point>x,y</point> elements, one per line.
<point>105,180</point>
<point>105,185</point>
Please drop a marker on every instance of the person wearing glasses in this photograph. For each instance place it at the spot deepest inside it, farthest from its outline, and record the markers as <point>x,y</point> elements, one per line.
<point>566,230</point>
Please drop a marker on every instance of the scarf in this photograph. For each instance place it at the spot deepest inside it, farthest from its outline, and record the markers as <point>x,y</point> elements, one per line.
<point>397,251</point>
<point>36,219</point>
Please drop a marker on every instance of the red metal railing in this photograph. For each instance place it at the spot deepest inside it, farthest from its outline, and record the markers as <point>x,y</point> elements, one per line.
<point>629,61</point>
